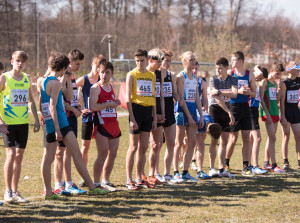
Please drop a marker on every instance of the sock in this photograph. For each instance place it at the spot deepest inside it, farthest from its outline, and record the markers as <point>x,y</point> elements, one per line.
<point>57,185</point>
<point>285,161</point>
<point>69,183</point>
<point>245,165</point>
<point>176,172</point>
<point>184,172</point>
<point>274,165</point>
<point>129,180</point>
<point>266,163</point>
<point>97,184</point>
<point>138,181</point>
<point>227,162</point>
<point>104,182</point>
<point>221,170</point>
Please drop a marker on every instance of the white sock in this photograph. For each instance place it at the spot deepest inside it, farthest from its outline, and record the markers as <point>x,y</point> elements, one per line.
<point>57,185</point>
<point>69,183</point>
<point>104,182</point>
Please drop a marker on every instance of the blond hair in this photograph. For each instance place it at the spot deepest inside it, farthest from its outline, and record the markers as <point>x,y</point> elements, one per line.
<point>97,60</point>
<point>185,54</point>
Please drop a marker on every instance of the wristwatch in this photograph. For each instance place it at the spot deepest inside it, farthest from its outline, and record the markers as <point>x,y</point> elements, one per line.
<point>219,92</point>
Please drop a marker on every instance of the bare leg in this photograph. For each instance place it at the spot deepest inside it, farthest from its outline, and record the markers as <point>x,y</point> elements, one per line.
<point>285,141</point>
<point>246,145</point>
<point>222,149</point>
<point>187,157</point>
<point>141,154</point>
<point>17,168</point>
<point>156,141</point>
<point>200,138</point>
<point>85,150</point>
<point>68,165</point>
<point>133,146</point>
<point>212,152</point>
<point>170,133</point>
<point>9,167</point>
<point>58,163</point>
<point>110,160</point>
<point>271,130</point>
<point>256,139</point>
<point>231,144</point>
<point>180,131</point>
<point>296,131</point>
<point>102,149</point>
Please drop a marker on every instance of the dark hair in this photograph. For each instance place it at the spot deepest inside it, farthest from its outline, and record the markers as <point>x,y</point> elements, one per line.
<point>276,66</point>
<point>215,130</point>
<point>75,55</point>
<point>167,52</point>
<point>20,54</point>
<point>264,71</point>
<point>222,61</point>
<point>1,66</point>
<point>239,55</point>
<point>141,52</point>
<point>58,61</point>
<point>107,65</point>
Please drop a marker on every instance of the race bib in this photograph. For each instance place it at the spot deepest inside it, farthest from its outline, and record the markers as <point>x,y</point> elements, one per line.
<point>157,89</point>
<point>144,88</point>
<point>74,101</point>
<point>190,95</point>
<point>273,93</point>
<point>292,96</point>
<point>242,83</point>
<point>108,113</point>
<point>167,89</point>
<point>257,96</point>
<point>46,111</point>
<point>225,99</point>
<point>19,97</point>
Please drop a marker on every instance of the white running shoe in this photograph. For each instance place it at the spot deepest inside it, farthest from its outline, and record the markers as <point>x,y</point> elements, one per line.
<point>226,173</point>
<point>168,177</point>
<point>160,178</point>
<point>213,173</point>
<point>109,186</point>
<point>18,198</point>
<point>194,166</point>
<point>8,196</point>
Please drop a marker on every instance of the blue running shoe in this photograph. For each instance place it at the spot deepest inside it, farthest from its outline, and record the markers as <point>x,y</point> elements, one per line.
<point>258,170</point>
<point>177,178</point>
<point>74,190</point>
<point>61,191</point>
<point>202,175</point>
<point>188,177</point>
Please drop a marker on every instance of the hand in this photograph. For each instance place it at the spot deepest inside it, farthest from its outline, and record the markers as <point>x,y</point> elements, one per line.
<point>181,102</point>
<point>160,118</point>
<point>201,122</point>
<point>117,101</point>
<point>58,135</point>
<point>269,119</point>
<point>112,104</point>
<point>232,119</point>
<point>36,127</point>
<point>213,92</point>
<point>3,128</point>
<point>192,123</point>
<point>283,121</point>
<point>133,125</point>
<point>77,113</point>
<point>85,111</point>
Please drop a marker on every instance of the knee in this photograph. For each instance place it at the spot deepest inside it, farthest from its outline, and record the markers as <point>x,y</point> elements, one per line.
<point>156,146</point>
<point>132,149</point>
<point>18,157</point>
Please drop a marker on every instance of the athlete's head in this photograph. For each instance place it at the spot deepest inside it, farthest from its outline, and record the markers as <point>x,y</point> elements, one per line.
<point>215,130</point>
<point>222,66</point>
<point>293,68</point>
<point>260,73</point>
<point>106,71</point>
<point>141,59</point>
<point>96,62</point>
<point>76,58</point>
<point>166,63</point>
<point>156,57</point>
<point>58,62</point>
<point>205,74</point>
<point>196,69</point>
<point>237,59</point>
<point>19,60</point>
<point>188,60</point>
<point>276,70</point>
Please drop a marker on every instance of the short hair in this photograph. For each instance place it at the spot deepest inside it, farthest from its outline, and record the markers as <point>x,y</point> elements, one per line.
<point>99,59</point>
<point>276,66</point>
<point>1,66</point>
<point>75,55</point>
<point>215,130</point>
<point>107,65</point>
<point>183,56</point>
<point>156,54</point>
<point>264,71</point>
<point>140,53</point>
<point>58,61</point>
<point>222,61</point>
<point>239,55</point>
<point>20,54</point>
<point>167,52</point>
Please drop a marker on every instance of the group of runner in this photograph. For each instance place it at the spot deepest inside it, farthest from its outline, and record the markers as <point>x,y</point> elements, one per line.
<point>179,109</point>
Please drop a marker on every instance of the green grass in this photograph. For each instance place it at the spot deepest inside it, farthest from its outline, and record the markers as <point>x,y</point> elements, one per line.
<point>270,198</point>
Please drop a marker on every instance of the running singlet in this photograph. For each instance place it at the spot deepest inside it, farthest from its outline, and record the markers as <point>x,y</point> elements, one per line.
<point>143,88</point>
<point>45,104</point>
<point>74,101</point>
<point>242,81</point>
<point>254,102</point>
<point>86,94</point>
<point>292,94</point>
<point>190,90</point>
<point>270,99</point>
<point>107,117</point>
<point>14,100</point>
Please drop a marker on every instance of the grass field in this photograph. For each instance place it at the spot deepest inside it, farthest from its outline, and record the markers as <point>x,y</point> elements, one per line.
<point>270,198</point>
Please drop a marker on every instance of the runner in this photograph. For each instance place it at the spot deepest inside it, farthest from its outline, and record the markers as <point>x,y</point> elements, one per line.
<point>58,128</point>
<point>186,115</point>
<point>222,88</point>
<point>107,131</point>
<point>140,100</point>
<point>270,113</point>
<point>240,109</point>
<point>15,89</point>
<point>290,113</point>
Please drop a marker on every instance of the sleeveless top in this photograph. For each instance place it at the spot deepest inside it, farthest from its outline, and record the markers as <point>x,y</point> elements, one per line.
<point>190,88</point>
<point>14,100</point>
<point>86,94</point>
<point>242,81</point>
<point>45,104</point>
<point>292,93</point>
<point>143,88</point>
<point>270,99</point>
<point>254,102</point>
<point>74,101</point>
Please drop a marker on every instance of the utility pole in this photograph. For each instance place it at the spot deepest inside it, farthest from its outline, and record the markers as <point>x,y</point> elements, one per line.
<point>109,45</point>
<point>37,36</point>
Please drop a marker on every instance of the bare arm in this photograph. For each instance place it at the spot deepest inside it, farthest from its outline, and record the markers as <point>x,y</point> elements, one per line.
<point>282,105</point>
<point>252,85</point>
<point>33,109</point>
<point>67,88</point>
<point>204,96</point>
<point>262,89</point>
<point>199,107</point>
<point>80,82</point>
<point>129,82</point>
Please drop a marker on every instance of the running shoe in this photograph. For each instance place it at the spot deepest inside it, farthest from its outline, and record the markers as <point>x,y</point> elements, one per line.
<point>267,167</point>
<point>55,197</point>
<point>82,183</point>
<point>258,171</point>
<point>131,186</point>
<point>226,173</point>
<point>8,196</point>
<point>177,178</point>
<point>226,167</point>
<point>248,172</point>
<point>202,175</point>
<point>109,186</point>
<point>286,166</point>
<point>188,177</point>
<point>74,190</point>
<point>160,178</point>
<point>99,191</point>
<point>1,203</point>
<point>213,172</point>
<point>277,170</point>
<point>144,184</point>
<point>18,198</point>
<point>153,181</point>
<point>168,177</point>
<point>145,179</point>
<point>194,166</point>
<point>61,191</point>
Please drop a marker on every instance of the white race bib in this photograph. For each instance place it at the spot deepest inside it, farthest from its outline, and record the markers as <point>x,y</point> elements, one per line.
<point>190,95</point>
<point>144,88</point>
<point>74,101</point>
<point>46,111</point>
<point>225,99</point>
<point>292,96</point>
<point>257,96</point>
<point>108,112</point>
<point>167,89</point>
<point>242,83</point>
<point>273,93</point>
<point>19,97</point>
<point>157,89</point>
